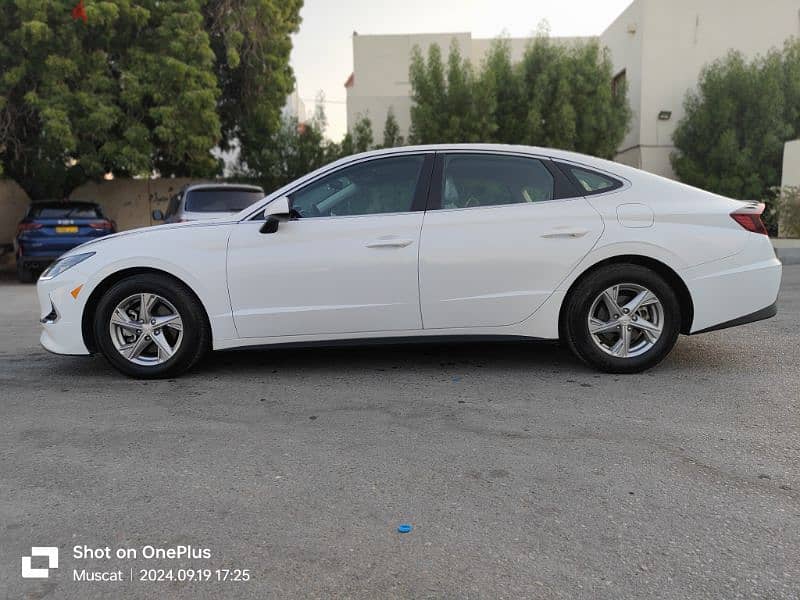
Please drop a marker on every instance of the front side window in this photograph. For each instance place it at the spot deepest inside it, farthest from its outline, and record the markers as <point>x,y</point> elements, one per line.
<point>380,186</point>
<point>474,180</point>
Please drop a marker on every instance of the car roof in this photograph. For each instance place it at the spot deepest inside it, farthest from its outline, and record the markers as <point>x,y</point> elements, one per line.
<point>223,186</point>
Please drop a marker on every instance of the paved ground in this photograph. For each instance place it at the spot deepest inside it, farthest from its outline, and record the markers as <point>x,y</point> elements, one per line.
<point>523,473</point>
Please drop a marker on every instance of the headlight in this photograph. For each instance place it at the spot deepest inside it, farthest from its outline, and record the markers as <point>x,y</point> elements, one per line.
<point>63,264</point>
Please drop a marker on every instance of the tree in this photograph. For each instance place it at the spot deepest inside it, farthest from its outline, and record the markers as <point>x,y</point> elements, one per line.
<point>251,43</point>
<point>142,86</point>
<point>731,139</point>
<point>558,96</point>
<point>391,131</point>
<point>362,135</point>
<point>451,104</point>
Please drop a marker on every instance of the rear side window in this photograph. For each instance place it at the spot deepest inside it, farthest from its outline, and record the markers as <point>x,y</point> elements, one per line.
<point>592,182</point>
<point>221,200</point>
<point>64,212</point>
<point>474,180</point>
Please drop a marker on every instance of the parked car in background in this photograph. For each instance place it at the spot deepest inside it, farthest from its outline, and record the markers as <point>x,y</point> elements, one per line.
<point>200,202</point>
<point>51,228</point>
<point>426,243</point>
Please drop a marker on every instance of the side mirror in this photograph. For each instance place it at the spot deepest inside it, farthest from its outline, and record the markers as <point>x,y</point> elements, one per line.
<point>158,215</point>
<point>275,212</point>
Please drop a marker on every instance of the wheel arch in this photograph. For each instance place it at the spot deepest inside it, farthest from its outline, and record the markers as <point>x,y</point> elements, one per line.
<point>87,318</point>
<point>664,270</point>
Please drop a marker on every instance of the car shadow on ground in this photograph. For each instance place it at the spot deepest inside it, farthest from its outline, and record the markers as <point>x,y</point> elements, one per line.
<point>507,358</point>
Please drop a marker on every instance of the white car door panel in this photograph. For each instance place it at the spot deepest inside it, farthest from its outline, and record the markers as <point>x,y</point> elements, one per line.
<point>346,264</point>
<point>490,266</point>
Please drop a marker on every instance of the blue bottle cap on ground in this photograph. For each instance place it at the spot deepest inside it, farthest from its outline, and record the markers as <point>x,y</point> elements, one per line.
<point>404,528</point>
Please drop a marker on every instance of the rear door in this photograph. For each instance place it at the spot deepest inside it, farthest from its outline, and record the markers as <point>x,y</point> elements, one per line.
<point>502,231</point>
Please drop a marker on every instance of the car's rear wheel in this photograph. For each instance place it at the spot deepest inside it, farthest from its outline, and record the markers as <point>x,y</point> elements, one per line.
<point>25,274</point>
<point>622,318</point>
<point>151,326</point>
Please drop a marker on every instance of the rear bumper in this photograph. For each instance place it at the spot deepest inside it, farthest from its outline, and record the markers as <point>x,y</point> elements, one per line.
<point>739,289</point>
<point>759,315</point>
<point>36,262</point>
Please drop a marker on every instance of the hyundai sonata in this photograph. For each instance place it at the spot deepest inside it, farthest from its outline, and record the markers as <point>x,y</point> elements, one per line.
<point>431,243</point>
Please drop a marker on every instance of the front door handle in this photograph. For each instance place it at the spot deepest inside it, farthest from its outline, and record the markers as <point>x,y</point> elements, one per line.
<point>565,233</point>
<point>389,243</point>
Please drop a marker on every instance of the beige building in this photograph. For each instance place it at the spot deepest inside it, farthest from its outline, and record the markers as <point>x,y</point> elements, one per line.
<point>658,46</point>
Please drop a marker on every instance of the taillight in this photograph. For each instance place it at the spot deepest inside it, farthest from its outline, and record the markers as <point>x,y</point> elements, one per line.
<point>749,217</point>
<point>104,225</point>
<point>28,227</point>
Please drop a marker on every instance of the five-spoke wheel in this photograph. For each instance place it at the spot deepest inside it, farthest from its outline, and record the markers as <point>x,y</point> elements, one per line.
<point>621,318</point>
<point>151,325</point>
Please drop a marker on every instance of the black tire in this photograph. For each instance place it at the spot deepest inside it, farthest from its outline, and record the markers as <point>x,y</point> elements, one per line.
<point>25,274</point>
<point>575,323</point>
<point>196,331</point>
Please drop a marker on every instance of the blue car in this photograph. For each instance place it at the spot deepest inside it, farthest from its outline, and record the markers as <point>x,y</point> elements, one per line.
<point>51,228</point>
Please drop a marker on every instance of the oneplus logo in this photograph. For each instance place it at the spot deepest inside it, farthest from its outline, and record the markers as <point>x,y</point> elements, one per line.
<point>51,552</point>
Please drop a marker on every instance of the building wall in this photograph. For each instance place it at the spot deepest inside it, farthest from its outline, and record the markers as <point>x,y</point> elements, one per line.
<point>381,64</point>
<point>662,45</point>
<point>13,205</point>
<point>676,39</point>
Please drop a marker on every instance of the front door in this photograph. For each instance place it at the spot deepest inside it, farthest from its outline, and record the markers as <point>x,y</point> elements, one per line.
<point>346,264</point>
<point>502,239</point>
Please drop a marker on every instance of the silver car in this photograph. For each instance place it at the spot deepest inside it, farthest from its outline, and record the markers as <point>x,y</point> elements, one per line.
<point>202,201</point>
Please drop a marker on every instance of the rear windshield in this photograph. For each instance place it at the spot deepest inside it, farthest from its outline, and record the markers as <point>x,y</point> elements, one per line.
<point>221,200</point>
<point>64,212</point>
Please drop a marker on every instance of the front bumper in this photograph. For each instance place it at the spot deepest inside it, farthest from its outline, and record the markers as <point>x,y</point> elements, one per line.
<point>65,296</point>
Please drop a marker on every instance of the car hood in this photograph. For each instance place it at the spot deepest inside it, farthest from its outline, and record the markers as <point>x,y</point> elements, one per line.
<point>95,245</point>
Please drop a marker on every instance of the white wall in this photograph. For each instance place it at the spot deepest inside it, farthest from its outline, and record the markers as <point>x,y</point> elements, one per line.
<point>674,40</point>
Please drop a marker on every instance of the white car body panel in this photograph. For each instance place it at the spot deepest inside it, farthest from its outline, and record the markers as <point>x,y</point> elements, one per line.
<point>473,271</point>
<point>326,276</point>
<point>494,266</point>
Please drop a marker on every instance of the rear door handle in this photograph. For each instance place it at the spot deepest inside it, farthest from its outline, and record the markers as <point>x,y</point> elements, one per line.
<point>389,243</point>
<point>565,233</point>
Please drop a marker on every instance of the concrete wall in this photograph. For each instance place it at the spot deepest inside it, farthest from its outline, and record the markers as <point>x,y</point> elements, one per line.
<point>13,204</point>
<point>129,202</point>
<point>674,40</point>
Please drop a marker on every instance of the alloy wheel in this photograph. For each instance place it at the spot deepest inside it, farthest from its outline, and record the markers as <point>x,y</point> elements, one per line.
<point>626,320</point>
<point>146,329</point>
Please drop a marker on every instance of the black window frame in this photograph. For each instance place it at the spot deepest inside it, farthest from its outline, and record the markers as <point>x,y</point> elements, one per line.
<point>563,187</point>
<point>567,167</point>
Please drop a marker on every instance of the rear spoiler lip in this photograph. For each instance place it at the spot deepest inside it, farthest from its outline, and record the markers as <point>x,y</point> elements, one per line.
<point>750,207</point>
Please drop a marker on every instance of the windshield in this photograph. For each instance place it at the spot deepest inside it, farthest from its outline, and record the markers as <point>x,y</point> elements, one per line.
<point>67,211</point>
<point>221,200</point>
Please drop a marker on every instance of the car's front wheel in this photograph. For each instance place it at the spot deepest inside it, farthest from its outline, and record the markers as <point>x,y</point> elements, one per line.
<point>622,318</point>
<point>151,326</point>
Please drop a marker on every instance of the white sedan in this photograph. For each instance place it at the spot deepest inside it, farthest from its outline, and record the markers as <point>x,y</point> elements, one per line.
<point>431,243</point>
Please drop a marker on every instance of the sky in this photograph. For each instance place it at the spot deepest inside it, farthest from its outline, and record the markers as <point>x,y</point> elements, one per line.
<point>322,54</point>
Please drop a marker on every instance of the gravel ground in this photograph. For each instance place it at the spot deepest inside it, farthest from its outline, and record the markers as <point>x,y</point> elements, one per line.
<point>523,473</point>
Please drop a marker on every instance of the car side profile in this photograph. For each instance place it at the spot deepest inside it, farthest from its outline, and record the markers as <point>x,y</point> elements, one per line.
<point>206,201</point>
<point>50,228</point>
<point>425,243</point>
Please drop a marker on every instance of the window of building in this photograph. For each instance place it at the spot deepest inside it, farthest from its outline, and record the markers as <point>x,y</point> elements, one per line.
<point>619,83</point>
